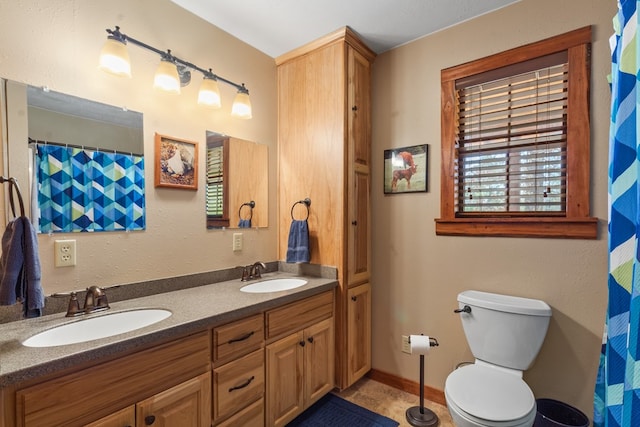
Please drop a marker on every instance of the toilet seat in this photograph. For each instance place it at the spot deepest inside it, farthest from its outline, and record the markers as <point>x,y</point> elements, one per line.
<point>490,397</point>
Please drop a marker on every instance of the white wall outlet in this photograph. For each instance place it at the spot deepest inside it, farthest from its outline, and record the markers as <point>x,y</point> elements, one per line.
<point>64,252</point>
<point>406,345</point>
<point>237,242</point>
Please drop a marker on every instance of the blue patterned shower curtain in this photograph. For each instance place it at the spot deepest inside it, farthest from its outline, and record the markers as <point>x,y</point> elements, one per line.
<point>86,190</point>
<point>617,392</point>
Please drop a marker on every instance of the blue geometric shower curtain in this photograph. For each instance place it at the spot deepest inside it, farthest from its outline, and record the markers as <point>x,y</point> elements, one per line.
<point>617,392</point>
<point>86,190</point>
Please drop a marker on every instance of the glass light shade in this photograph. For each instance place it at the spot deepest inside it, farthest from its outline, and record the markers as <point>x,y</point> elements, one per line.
<point>241,106</point>
<point>209,94</point>
<point>114,58</point>
<point>167,78</point>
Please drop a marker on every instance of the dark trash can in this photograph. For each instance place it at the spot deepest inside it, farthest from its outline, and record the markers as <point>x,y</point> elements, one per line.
<point>553,413</point>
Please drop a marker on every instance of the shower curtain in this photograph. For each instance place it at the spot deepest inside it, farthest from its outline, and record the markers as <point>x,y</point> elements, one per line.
<point>617,391</point>
<point>89,190</point>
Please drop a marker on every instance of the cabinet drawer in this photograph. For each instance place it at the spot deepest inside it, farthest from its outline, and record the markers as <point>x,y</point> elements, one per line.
<point>251,416</point>
<point>238,383</point>
<point>237,338</point>
<point>295,316</point>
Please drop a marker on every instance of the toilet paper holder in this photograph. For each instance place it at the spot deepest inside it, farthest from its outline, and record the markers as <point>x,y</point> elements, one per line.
<point>420,416</point>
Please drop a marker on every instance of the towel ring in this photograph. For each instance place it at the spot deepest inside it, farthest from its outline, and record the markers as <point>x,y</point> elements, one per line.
<point>251,205</point>
<point>13,183</point>
<point>306,202</point>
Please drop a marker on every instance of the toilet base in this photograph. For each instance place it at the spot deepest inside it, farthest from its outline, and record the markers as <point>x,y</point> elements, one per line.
<point>421,417</point>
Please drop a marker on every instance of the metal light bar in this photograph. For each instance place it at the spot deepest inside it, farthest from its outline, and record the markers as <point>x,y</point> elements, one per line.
<point>117,35</point>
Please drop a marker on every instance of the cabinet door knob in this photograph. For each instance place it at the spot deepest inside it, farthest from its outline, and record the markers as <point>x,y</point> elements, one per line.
<point>149,419</point>
<point>354,108</point>
<point>354,298</point>
<point>301,343</point>
<point>354,222</point>
<point>310,339</point>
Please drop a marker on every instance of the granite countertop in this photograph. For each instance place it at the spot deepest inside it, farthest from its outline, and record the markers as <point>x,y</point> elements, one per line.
<point>194,309</point>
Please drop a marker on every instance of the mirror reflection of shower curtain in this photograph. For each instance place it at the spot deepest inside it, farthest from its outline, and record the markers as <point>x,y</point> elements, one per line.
<point>79,189</point>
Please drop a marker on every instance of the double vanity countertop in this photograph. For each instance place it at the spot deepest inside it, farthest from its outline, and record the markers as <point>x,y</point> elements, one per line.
<point>193,309</point>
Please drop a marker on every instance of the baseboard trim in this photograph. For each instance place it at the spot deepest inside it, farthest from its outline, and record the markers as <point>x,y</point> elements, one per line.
<point>430,393</point>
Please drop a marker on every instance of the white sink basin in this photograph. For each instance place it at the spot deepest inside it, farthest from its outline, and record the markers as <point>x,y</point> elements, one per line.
<point>97,327</point>
<point>273,285</point>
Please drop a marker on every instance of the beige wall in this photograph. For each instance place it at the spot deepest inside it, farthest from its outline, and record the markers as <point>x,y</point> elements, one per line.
<point>56,43</point>
<point>417,275</point>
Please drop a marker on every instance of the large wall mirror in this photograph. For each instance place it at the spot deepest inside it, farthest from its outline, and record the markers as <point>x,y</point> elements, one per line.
<point>237,182</point>
<point>109,177</point>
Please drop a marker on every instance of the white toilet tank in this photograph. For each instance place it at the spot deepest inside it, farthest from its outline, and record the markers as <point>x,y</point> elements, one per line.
<point>504,330</point>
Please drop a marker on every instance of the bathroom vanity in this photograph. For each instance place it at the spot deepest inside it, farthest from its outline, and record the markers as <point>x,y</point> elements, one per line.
<point>224,357</point>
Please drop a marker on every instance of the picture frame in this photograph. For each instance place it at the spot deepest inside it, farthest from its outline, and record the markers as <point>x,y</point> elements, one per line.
<point>406,169</point>
<point>176,163</point>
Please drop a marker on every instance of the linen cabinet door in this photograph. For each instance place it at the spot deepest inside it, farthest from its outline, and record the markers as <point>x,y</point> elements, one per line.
<point>359,332</point>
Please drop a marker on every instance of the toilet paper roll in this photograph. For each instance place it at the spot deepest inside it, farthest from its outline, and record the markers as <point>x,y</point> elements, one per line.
<point>419,344</point>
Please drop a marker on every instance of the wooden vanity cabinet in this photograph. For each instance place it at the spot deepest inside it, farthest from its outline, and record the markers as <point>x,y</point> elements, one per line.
<point>168,382</point>
<point>300,364</point>
<point>324,153</point>
<point>238,372</point>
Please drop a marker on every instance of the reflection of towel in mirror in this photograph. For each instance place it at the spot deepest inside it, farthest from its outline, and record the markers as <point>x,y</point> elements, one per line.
<point>298,250</point>
<point>244,223</point>
<point>20,268</point>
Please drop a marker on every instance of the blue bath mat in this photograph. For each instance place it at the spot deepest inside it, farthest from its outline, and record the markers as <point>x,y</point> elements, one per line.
<point>333,411</point>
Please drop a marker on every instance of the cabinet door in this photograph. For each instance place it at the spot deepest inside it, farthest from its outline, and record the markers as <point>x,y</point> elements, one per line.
<point>185,405</point>
<point>358,332</point>
<point>123,418</point>
<point>284,379</point>
<point>319,358</point>
<point>359,159</point>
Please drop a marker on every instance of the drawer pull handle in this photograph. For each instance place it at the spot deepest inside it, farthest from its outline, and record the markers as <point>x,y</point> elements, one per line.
<point>310,339</point>
<point>242,338</point>
<point>149,419</point>
<point>246,383</point>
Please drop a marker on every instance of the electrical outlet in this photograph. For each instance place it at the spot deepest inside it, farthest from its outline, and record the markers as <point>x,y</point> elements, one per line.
<point>237,242</point>
<point>64,253</point>
<point>406,345</point>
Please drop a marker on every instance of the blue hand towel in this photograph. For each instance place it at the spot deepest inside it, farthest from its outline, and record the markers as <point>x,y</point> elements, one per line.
<point>20,268</point>
<point>244,223</point>
<point>298,250</point>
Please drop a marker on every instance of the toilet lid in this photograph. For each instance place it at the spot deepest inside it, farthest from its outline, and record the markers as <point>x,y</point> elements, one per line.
<point>489,393</point>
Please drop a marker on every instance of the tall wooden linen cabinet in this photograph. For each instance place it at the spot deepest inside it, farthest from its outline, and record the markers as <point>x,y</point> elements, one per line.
<point>324,153</point>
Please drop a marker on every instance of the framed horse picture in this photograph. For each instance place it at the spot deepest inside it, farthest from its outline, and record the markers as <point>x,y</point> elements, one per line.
<point>405,169</point>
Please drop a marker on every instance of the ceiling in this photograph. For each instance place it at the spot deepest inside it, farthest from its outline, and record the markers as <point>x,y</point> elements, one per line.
<point>278,26</point>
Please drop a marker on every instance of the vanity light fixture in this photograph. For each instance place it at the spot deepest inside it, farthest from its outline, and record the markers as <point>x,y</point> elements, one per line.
<point>172,73</point>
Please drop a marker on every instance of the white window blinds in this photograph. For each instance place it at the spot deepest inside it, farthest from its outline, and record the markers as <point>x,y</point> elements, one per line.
<point>511,146</point>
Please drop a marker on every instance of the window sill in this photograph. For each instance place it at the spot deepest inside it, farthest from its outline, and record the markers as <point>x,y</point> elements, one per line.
<point>567,228</point>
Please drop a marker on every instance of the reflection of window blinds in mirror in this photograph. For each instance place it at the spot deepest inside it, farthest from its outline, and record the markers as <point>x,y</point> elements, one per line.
<point>215,181</point>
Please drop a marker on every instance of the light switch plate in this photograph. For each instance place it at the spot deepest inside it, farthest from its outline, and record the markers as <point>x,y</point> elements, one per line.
<point>237,242</point>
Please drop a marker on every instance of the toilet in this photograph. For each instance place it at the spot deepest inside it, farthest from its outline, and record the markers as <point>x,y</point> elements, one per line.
<point>505,334</point>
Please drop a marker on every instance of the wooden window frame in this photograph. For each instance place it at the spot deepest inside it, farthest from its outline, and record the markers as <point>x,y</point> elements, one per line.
<point>576,223</point>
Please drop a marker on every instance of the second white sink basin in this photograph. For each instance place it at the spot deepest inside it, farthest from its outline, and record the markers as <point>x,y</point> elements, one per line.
<point>273,285</point>
<point>97,327</point>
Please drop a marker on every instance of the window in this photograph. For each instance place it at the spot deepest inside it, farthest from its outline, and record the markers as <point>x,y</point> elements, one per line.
<point>515,142</point>
<point>217,184</point>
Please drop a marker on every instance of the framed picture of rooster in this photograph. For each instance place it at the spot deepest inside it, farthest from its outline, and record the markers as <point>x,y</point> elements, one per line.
<point>176,163</point>
<point>405,169</point>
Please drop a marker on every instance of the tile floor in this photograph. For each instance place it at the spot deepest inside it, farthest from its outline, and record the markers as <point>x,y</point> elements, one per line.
<point>390,402</point>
